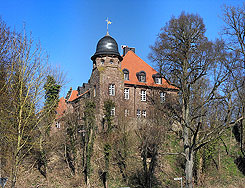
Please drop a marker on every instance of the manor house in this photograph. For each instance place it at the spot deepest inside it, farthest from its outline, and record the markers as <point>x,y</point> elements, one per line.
<point>132,84</point>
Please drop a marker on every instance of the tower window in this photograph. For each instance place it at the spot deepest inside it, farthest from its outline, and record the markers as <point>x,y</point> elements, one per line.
<point>126,74</point>
<point>143,95</point>
<point>162,97</point>
<point>102,61</point>
<point>144,113</point>
<point>112,89</point>
<point>126,93</point>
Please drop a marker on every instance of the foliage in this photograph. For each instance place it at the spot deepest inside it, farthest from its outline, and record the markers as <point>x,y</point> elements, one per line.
<point>90,129</point>
<point>108,106</point>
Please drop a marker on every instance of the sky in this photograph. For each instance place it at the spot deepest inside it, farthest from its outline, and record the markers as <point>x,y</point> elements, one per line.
<point>70,29</point>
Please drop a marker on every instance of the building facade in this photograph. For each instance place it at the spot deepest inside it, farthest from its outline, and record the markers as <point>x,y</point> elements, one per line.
<point>133,85</point>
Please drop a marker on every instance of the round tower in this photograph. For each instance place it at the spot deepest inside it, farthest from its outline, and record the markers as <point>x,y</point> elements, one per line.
<point>106,80</point>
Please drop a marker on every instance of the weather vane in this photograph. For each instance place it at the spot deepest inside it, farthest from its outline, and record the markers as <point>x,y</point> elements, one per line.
<point>108,22</point>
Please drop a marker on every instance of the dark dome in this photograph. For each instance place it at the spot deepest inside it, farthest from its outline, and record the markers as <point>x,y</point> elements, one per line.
<point>107,46</point>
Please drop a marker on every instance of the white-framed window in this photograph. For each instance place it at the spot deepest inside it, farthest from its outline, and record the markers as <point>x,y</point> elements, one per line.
<point>126,112</point>
<point>113,111</point>
<point>143,95</point>
<point>142,78</point>
<point>57,124</point>
<point>126,74</point>
<point>144,113</point>
<point>126,93</point>
<point>158,80</point>
<point>162,97</point>
<point>112,89</point>
<point>138,113</point>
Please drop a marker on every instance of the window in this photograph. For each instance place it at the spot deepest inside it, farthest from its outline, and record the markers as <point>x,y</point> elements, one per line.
<point>138,114</point>
<point>113,111</point>
<point>143,95</point>
<point>112,89</point>
<point>57,124</point>
<point>126,93</point>
<point>94,90</point>
<point>162,97</point>
<point>126,112</point>
<point>126,74</point>
<point>158,80</point>
<point>144,113</point>
<point>141,76</point>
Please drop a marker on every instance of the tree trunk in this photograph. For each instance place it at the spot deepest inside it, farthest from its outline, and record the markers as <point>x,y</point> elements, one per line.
<point>14,176</point>
<point>199,170</point>
<point>189,168</point>
<point>88,182</point>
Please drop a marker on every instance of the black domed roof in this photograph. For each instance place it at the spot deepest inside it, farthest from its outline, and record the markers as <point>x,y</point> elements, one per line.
<point>106,46</point>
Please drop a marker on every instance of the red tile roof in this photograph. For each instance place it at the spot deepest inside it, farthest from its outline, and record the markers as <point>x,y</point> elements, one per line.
<point>73,95</point>
<point>135,64</point>
<point>62,106</point>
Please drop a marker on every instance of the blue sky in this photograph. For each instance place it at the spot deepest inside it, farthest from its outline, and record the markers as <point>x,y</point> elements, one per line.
<point>70,29</point>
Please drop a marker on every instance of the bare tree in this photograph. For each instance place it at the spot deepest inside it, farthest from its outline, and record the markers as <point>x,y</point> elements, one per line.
<point>26,69</point>
<point>234,33</point>
<point>187,57</point>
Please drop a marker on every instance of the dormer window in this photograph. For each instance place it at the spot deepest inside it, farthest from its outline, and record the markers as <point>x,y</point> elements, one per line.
<point>157,78</point>
<point>126,74</point>
<point>141,76</point>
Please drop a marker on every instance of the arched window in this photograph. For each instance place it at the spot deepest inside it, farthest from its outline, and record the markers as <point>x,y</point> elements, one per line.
<point>126,74</point>
<point>141,76</point>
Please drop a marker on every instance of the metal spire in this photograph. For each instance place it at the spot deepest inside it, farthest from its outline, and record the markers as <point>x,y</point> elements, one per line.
<point>108,22</point>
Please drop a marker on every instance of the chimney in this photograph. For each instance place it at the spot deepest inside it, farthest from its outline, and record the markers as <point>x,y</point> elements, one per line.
<point>126,49</point>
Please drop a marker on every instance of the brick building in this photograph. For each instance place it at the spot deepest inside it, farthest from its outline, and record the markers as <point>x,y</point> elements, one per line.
<point>126,79</point>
